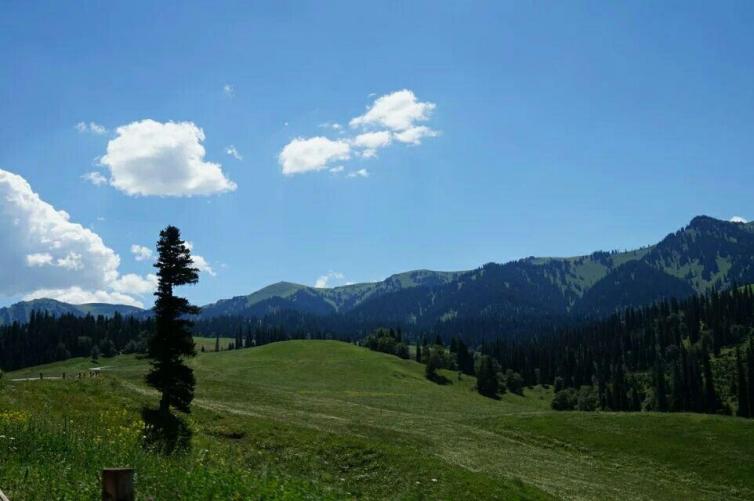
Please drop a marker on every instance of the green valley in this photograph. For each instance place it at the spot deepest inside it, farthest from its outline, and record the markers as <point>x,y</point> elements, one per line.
<point>326,419</point>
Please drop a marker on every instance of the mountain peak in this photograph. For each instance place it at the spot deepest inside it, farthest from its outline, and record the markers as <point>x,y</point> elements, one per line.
<point>702,222</point>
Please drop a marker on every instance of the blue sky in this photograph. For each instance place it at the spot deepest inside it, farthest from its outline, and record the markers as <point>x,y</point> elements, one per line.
<point>550,128</point>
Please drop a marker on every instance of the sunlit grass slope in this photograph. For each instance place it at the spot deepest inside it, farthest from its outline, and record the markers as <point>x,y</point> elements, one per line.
<point>329,419</point>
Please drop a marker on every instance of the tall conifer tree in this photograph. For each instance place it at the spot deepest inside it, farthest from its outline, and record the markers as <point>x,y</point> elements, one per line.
<point>172,341</point>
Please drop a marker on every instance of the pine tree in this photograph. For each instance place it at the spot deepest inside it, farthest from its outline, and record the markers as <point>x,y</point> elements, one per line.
<point>711,402</point>
<point>486,378</point>
<point>676,398</point>
<point>661,397</point>
<point>750,375</point>
<point>434,362</point>
<point>742,388</point>
<point>172,341</point>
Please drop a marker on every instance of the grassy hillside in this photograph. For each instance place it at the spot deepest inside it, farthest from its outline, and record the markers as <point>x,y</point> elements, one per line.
<point>334,420</point>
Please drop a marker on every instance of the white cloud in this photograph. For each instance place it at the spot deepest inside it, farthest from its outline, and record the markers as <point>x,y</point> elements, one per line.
<point>372,140</point>
<point>312,154</point>
<point>94,177</point>
<point>31,226</point>
<point>738,219</point>
<point>39,259</point>
<point>140,252</point>
<point>77,295</point>
<point>324,280</point>
<point>132,283</point>
<point>336,169</point>
<point>71,261</point>
<point>200,263</point>
<point>397,111</point>
<point>331,125</point>
<point>232,151</point>
<point>414,135</point>
<point>44,254</point>
<point>359,173</point>
<point>229,90</point>
<point>164,159</point>
<point>396,116</point>
<point>91,127</point>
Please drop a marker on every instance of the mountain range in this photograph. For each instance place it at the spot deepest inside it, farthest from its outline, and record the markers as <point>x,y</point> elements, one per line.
<point>706,254</point>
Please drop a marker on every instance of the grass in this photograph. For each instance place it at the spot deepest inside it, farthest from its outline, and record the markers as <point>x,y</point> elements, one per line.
<point>323,419</point>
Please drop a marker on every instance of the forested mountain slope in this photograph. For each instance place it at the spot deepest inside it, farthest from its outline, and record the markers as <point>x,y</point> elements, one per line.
<point>706,254</point>
<point>21,312</point>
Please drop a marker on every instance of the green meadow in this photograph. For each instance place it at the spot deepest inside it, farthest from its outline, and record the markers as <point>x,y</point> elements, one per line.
<point>330,420</point>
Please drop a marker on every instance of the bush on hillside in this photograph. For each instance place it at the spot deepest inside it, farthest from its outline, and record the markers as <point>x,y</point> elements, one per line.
<point>565,400</point>
<point>387,341</point>
<point>514,382</point>
<point>434,362</point>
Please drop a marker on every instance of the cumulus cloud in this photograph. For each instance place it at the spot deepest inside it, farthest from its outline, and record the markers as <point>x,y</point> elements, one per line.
<point>738,219</point>
<point>390,118</point>
<point>140,252</point>
<point>312,154</point>
<point>94,177</point>
<point>414,135</point>
<point>132,283</point>
<point>336,169</point>
<point>325,280</point>
<point>232,151</point>
<point>200,263</point>
<point>39,259</point>
<point>359,173</point>
<point>371,142</point>
<point>163,159</point>
<point>44,254</point>
<point>397,111</point>
<point>91,127</point>
<point>77,295</point>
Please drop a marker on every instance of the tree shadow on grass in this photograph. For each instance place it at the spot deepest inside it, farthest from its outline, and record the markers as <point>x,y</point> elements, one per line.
<point>438,379</point>
<point>165,433</point>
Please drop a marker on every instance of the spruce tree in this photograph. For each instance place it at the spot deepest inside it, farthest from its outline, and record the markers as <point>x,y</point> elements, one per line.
<point>661,397</point>
<point>742,388</point>
<point>711,402</point>
<point>676,399</point>
<point>486,378</point>
<point>750,375</point>
<point>172,341</point>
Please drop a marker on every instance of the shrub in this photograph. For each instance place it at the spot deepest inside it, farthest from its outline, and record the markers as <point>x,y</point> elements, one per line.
<point>514,382</point>
<point>564,400</point>
<point>587,399</point>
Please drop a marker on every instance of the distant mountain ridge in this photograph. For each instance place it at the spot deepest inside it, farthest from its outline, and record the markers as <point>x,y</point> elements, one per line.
<point>21,312</point>
<point>707,253</point>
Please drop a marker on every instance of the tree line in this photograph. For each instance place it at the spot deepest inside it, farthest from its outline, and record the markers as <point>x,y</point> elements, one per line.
<point>694,355</point>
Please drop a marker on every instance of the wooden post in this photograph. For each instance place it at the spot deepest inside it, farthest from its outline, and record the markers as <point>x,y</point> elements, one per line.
<point>41,377</point>
<point>2,496</point>
<point>118,484</point>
